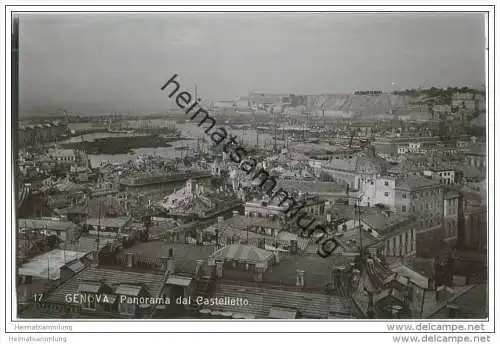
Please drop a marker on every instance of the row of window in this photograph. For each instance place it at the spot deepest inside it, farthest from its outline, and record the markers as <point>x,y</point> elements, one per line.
<point>406,244</point>
<point>451,230</point>
<point>427,223</point>
<point>416,195</point>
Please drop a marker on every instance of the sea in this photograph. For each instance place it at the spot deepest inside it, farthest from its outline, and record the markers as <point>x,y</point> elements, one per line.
<point>193,140</point>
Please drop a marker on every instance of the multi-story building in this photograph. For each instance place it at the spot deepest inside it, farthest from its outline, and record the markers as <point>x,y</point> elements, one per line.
<point>450,216</point>
<point>444,174</point>
<point>415,195</point>
<point>422,198</point>
<point>354,171</point>
<point>379,190</point>
<point>476,157</point>
<point>378,231</point>
<point>475,226</point>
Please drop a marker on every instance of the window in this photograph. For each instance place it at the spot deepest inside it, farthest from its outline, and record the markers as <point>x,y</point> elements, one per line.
<point>426,205</point>
<point>386,183</point>
<point>127,308</point>
<point>386,194</point>
<point>403,195</point>
<point>403,208</point>
<point>421,224</point>
<point>421,206</point>
<point>405,243</point>
<point>413,208</point>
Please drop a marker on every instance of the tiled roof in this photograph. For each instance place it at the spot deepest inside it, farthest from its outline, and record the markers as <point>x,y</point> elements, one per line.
<point>422,266</point>
<point>282,313</point>
<point>117,222</point>
<point>85,244</point>
<point>311,187</point>
<point>75,266</point>
<point>415,182</point>
<point>130,290</point>
<point>55,225</point>
<point>477,150</point>
<point>155,249</point>
<point>110,277</point>
<point>380,222</point>
<point>317,271</point>
<point>471,172</point>
<point>473,303</point>
<point>262,300</point>
<point>415,277</point>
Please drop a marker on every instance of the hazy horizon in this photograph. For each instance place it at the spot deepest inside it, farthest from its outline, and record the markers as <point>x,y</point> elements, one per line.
<point>118,62</point>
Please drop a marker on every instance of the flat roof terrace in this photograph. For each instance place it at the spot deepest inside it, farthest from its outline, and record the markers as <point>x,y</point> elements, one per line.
<point>48,265</point>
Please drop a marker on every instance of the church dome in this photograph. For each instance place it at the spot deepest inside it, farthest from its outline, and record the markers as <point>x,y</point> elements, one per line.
<point>368,162</point>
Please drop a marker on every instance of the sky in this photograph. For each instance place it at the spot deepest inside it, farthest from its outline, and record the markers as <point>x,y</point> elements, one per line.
<point>118,62</point>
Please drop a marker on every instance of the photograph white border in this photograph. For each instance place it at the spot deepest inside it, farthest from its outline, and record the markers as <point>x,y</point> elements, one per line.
<point>151,325</point>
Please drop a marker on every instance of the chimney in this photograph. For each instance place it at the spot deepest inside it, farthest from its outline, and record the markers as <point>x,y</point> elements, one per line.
<point>431,284</point>
<point>259,268</point>
<point>328,217</point>
<point>211,265</point>
<point>294,248</point>
<point>334,277</point>
<point>356,275</point>
<point>341,272</point>
<point>163,262</point>
<point>453,311</point>
<point>220,219</point>
<point>219,268</point>
<point>199,237</point>
<point>262,243</point>
<point>370,263</point>
<point>199,264</point>
<point>235,212</point>
<point>130,260</point>
<point>300,279</point>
